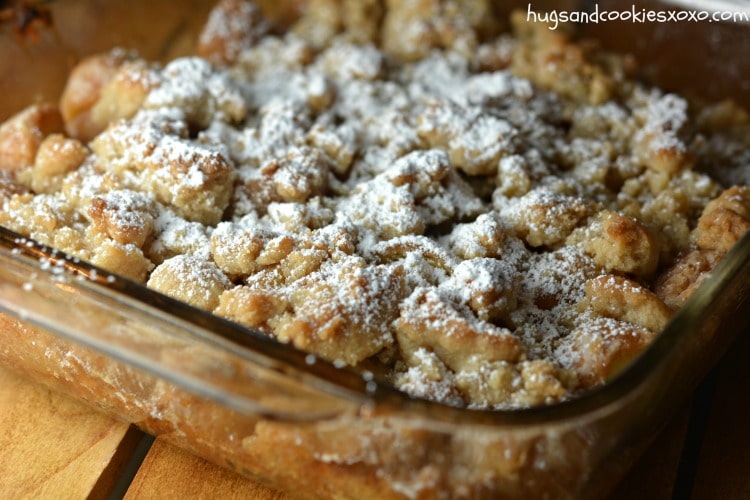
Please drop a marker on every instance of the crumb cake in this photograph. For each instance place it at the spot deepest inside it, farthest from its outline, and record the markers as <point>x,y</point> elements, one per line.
<point>498,220</point>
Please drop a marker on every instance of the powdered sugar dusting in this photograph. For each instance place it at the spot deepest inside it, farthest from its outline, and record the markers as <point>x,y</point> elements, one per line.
<point>432,215</point>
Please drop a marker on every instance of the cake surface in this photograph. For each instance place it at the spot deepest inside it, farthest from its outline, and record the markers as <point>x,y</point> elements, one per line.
<point>499,220</point>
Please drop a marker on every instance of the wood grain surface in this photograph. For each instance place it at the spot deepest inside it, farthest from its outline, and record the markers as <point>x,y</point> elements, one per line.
<point>723,470</point>
<point>169,472</point>
<point>53,447</point>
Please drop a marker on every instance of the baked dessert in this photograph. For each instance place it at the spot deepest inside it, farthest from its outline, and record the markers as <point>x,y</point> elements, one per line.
<point>494,220</point>
<point>498,221</point>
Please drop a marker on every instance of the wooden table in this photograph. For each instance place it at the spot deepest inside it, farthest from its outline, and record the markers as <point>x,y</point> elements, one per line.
<point>54,447</point>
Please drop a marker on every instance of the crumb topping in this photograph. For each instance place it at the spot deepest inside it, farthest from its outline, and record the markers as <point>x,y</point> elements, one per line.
<point>496,237</point>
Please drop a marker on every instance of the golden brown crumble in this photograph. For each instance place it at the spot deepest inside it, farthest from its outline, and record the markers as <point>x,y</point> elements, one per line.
<point>505,221</point>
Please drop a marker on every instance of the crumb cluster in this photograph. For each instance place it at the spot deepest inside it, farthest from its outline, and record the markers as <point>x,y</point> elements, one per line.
<point>501,221</point>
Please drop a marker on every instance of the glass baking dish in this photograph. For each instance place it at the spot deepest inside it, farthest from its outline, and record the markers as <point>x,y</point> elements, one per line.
<point>282,416</point>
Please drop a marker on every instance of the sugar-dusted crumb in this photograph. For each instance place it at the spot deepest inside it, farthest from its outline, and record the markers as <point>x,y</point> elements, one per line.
<point>505,221</point>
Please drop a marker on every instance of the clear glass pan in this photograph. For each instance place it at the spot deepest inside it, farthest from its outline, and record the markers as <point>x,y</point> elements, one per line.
<point>241,400</point>
<point>279,415</point>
